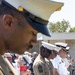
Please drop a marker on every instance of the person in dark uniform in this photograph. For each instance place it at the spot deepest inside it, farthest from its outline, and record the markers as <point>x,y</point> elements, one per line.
<point>20,21</point>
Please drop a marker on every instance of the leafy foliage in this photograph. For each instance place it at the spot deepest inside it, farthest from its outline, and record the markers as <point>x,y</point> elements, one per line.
<point>72,29</point>
<point>62,26</point>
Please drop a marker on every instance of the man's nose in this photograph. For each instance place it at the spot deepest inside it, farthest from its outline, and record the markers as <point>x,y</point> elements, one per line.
<point>34,40</point>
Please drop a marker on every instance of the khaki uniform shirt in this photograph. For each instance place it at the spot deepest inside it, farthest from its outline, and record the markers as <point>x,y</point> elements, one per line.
<point>4,69</point>
<point>50,65</point>
<point>41,67</point>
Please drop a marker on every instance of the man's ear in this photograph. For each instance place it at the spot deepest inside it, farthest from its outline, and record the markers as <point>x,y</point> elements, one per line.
<point>7,21</point>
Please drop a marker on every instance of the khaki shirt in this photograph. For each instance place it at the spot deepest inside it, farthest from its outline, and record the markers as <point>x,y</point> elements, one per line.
<point>40,66</point>
<point>4,69</point>
<point>50,65</point>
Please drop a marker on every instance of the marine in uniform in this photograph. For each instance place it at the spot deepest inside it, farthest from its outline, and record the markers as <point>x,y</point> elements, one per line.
<point>18,31</point>
<point>58,61</point>
<point>42,65</point>
<point>52,56</point>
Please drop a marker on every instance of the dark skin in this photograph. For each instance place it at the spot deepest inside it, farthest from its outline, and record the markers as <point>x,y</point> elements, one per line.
<point>52,56</point>
<point>16,35</point>
<point>44,53</point>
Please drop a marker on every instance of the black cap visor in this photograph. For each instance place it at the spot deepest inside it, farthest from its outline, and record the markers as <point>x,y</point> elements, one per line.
<point>38,26</point>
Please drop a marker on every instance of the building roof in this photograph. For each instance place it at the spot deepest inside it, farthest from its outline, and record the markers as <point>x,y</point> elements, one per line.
<point>58,36</point>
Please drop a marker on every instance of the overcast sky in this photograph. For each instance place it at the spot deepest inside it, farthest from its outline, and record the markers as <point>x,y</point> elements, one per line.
<point>67,12</point>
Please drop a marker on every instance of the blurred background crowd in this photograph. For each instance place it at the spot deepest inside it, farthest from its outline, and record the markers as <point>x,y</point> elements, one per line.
<point>24,63</point>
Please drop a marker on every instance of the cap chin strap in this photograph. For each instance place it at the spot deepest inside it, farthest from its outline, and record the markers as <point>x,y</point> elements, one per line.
<point>60,46</point>
<point>35,18</point>
<point>31,16</point>
<point>39,20</point>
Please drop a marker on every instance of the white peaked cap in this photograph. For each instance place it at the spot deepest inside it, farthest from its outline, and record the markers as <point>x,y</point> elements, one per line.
<point>50,46</point>
<point>61,44</point>
<point>67,48</point>
<point>57,48</point>
<point>40,8</point>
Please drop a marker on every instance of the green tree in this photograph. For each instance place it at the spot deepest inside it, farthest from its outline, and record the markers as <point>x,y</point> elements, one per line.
<point>62,26</point>
<point>72,29</point>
